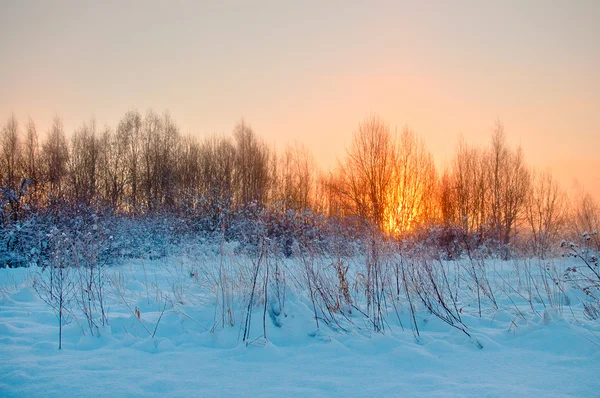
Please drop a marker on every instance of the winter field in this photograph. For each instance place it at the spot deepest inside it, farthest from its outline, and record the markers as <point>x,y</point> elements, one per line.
<point>210,321</point>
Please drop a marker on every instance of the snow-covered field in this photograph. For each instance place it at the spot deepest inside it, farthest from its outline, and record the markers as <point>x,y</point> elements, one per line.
<point>517,349</point>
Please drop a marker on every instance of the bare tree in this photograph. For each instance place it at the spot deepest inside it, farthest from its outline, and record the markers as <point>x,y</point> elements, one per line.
<point>152,127</point>
<point>329,198</point>
<point>545,211</point>
<point>169,150</point>
<point>485,191</point>
<point>55,284</point>
<point>509,183</point>
<point>367,174</point>
<point>112,165</point>
<point>83,163</point>
<point>251,166</point>
<point>468,188</point>
<point>414,184</point>
<point>129,146</point>
<point>189,166</point>
<point>497,168</point>
<point>30,168</point>
<point>31,152</point>
<point>586,218</point>
<point>159,150</point>
<point>446,200</point>
<point>296,177</point>
<point>10,155</point>
<point>54,158</point>
<point>217,164</point>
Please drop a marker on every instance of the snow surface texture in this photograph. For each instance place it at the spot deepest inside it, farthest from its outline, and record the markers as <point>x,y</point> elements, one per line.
<point>555,352</point>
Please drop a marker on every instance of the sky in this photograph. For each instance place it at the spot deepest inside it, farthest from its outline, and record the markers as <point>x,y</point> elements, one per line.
<point>309,71</point>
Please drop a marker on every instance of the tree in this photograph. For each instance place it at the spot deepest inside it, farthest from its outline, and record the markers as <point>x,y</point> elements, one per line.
<point>367,174</point>
<point>468,189</point>
<point>10,155</point>
<point>545,210</point>
<point>31,153</point>
<point>55,284</point>
<point>151,154</point>
<point>128,150</point>
<point>251,166</point>
<point>54,158</point>
<point>446,200</point>
<point>509,183</point>
<point>329,198</point>
<point>586,219</point>
<point>414,184</point>
<point>188,166</point>
<point>485,190</point>
<point>160,145</point>
<point>169,150</point>
<point>296,178</point>
<point>217,160</point>
<point>83,163</point>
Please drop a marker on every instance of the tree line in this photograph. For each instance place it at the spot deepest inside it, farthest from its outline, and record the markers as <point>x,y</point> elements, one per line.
<point>146,165</point>
<point>387,179</point>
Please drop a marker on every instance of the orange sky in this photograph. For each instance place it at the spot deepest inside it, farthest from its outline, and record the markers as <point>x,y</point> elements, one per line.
<point>310,72</point>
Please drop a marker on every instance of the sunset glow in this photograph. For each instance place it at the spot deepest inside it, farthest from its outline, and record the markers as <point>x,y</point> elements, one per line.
<point>309,72</point>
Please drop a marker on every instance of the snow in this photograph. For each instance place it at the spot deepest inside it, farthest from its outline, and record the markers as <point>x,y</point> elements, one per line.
<point>555,352</point>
